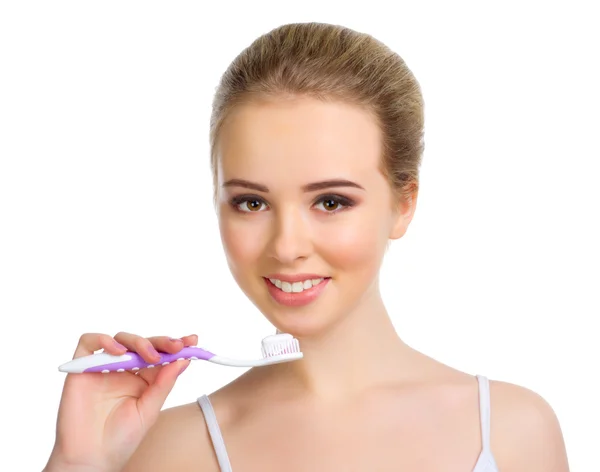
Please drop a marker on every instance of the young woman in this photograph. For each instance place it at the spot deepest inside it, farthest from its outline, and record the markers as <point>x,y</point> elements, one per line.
<point>316,142</point>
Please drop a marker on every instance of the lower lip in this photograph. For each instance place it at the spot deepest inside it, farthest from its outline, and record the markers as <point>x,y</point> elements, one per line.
<point>296,298</point>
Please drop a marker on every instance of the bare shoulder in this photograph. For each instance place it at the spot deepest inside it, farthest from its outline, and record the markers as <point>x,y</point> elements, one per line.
<point>525,431</point>
<point>179,440</point>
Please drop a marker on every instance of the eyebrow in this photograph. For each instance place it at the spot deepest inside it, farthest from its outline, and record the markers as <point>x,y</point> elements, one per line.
<point>325,184</point>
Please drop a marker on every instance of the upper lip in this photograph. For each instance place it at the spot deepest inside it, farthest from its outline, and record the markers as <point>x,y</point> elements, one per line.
<point>294,277</point>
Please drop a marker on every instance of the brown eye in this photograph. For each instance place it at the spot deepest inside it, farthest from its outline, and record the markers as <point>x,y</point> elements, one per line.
<point>251,205</point>
<point>331,205</point>
<point>248,204</point>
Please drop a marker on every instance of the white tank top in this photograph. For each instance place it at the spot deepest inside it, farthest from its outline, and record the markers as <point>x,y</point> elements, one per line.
<point>485,462</point>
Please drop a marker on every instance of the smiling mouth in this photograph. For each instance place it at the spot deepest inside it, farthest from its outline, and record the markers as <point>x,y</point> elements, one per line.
<point>296,287</point>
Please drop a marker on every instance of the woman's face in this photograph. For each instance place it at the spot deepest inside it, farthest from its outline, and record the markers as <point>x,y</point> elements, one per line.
<point>304,212</point>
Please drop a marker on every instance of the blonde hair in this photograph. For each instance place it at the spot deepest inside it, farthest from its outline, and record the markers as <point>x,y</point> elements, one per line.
<point>331,62</point>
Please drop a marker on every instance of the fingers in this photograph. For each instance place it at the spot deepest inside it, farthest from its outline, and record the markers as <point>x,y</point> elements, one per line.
<point>90,342</point>
<point>139,344</point>
<point>148,348</point>
<point>190,340</point>
<point>166,344</point>
<point>153,398</point>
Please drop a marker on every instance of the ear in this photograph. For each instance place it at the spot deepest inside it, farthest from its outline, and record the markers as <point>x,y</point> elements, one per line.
<point>403,211</point>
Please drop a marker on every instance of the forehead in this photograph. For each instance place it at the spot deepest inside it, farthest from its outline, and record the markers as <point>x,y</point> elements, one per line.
<point>298,139</point>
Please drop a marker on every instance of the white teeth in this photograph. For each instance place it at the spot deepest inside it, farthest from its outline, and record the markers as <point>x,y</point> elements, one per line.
<point>276,282</point>
<point>296,287</point>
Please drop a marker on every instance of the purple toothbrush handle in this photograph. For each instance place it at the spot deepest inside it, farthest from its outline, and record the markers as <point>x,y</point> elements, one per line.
<point>136,362</point>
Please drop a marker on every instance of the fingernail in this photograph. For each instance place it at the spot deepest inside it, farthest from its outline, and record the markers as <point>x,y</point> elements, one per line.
<point>153,351</point>
<point>119,346</point>
<point>175,339</point>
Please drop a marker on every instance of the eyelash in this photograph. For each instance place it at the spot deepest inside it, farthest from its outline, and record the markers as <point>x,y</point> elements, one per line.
<point>345,202</point>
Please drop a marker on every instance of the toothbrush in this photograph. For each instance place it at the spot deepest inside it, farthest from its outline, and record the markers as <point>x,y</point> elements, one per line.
<point>276,348</point>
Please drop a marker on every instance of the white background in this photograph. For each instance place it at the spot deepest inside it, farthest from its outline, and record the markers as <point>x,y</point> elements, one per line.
<point>107,224</point>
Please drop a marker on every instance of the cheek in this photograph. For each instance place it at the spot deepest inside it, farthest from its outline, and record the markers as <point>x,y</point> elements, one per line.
<point>240,242</point>
<point>355,245</point>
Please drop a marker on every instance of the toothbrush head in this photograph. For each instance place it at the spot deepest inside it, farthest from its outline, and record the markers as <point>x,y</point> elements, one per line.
<point>276,349</point>
<point>279,348</point>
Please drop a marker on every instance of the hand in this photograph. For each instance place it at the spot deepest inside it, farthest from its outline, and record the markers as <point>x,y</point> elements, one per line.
<point>102,418</point>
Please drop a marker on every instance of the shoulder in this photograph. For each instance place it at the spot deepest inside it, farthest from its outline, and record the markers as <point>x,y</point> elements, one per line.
<point>525,431</point>
<point>179,440</point>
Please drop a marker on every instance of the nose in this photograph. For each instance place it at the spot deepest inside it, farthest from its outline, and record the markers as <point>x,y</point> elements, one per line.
<point>290,238</point>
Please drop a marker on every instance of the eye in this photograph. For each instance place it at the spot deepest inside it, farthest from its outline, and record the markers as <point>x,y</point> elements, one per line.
<point>248,203</point>
<point>334,203</point>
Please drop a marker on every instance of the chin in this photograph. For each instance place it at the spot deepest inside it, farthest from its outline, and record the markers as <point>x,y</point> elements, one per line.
<point>300,323</point>
<point>301,330</point>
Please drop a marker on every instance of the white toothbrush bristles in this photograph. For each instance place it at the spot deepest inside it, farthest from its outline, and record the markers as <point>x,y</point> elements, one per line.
<point>279,344</point>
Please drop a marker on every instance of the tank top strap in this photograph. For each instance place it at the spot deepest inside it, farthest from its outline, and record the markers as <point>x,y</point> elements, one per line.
<point>484,410</point>
<point>215,433</point>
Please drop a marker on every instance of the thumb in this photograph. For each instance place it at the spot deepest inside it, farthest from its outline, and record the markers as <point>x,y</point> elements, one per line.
<point>152,400</point>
